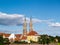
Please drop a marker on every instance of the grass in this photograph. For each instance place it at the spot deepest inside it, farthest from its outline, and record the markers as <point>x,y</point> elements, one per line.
<point>1,44</point>
<point>58,43</point>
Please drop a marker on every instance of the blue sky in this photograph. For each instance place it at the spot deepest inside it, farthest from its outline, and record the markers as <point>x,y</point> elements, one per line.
<point>48,11</point>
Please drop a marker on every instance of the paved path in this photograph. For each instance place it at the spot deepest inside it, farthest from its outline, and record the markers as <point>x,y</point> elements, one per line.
<point>34,44</point>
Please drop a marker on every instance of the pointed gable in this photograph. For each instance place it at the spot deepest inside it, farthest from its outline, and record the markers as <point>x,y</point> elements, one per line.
<point>12,36</point>
<point>17,37</point>
<point>23,37</point>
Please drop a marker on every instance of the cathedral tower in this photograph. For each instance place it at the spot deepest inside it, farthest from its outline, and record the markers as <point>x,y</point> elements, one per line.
<point>25,27</point>
<point>31,27</point>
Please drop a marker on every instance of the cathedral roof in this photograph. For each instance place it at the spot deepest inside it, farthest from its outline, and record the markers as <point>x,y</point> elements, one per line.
<point>32,33</point>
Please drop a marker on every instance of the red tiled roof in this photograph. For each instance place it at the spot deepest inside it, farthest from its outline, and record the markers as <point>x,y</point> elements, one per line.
<point>17,39</point>
<point>6,35</point>
<point>1,33</point>
<point>32,33</point>
<point>18,35</point>
<point>23,37</point>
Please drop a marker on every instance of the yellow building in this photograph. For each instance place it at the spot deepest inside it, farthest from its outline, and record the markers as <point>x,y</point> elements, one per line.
<point>32,36</point>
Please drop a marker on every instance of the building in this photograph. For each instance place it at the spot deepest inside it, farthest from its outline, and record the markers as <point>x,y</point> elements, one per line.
<point>18,37</point>
<point>30,36</point>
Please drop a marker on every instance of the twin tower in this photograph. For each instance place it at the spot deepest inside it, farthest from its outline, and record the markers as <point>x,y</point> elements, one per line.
<point>25,26</point>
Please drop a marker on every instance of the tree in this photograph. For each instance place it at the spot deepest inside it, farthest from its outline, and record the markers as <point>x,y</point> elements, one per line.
<point>52,39</point>
<point>58,37</point>
<point>1,40</point>
<point>20,42</point>
<point>44,39</point>
<point>39,40</point>
<point>6,40</point>
<point>32,41</point>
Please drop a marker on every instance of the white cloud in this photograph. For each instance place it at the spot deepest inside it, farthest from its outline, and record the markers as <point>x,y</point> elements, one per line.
<point>10,19</point>
<point>57,24</point>
<point>36,20</point>
<point>14,19</point>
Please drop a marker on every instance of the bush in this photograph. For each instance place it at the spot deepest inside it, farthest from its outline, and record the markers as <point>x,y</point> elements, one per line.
<point>20,42</point>
<point>32,41</point>
<point>6,41</point>
<point>1,40</point>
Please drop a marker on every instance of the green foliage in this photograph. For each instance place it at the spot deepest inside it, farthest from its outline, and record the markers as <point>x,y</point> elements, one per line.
<point>32,41</point>
<point>1,44</point>
<point>6,41</point>
<point>20,42</point>
<point>1,40</point>
<point>52,39</point>
<point>58,37</point>
<point>45,39</point>
<point>58,43</point>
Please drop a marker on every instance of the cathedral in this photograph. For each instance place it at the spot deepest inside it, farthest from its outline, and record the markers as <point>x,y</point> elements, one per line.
<point>25,36</point>
<point>31,35</point>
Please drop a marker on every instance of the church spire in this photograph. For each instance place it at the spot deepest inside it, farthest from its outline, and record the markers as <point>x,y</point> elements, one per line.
<point>25,27</point>
<point>31,27</point>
